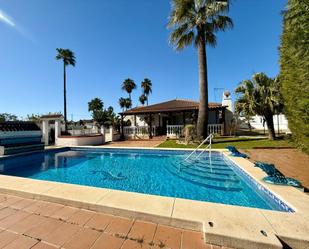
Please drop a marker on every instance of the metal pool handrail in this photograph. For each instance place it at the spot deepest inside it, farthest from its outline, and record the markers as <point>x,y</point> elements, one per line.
<point>210,137</point>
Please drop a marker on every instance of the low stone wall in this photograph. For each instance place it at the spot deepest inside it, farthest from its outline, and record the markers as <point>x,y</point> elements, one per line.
<point>80,140</point>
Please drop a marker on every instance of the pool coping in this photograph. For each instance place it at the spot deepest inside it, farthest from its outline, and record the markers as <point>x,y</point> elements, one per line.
<point>222,224</point>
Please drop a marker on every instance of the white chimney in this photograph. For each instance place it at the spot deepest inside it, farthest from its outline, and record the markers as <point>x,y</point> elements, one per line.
<point>227,101</point>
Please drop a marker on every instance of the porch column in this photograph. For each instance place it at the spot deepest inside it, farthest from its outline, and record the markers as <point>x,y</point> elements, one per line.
<point>57,129</point>
<point>184,118</point>
<point>150,126</point>
<point>195,117</point>
<point>122,133</point>
<point>159,114</point>
<point>45,131</point>
<point>135,120</point>
<point>217,117</point>
<point>223,117</point>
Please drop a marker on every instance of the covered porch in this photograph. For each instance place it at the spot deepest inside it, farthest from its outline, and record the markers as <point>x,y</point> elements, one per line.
<point>169,119</point>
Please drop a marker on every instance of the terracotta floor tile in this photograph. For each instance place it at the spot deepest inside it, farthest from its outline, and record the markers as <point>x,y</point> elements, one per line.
<point>43,230</point>
<point>35,206</point>
<point>130,244</point>
<point>42,245</point>
<point>99,221</point>
<point>49,209</point>
<point>81,217</point>
<point>84,239</point>
<point>143,230</point>
<point>62,234</point>
<point>22,242</point>
<point>10,200</point>
<point>107,241</point>
<point>6,212</point>
<point>6,238</point>
<point>64,213</point>
<point>193,240</point>
<point>168,236</point>
<point>13,218</point>
<point>22,203</point>
<point>26,224</point>
<point>3,197</point>
<point>119,226</point>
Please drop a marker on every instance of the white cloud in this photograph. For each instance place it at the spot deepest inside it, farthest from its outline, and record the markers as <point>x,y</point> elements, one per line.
<point>6,19</point>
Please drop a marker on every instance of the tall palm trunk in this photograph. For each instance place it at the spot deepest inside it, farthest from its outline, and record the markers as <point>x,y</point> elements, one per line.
<point>270,126</point>
<point>202,122</point>
<point>65,96</point>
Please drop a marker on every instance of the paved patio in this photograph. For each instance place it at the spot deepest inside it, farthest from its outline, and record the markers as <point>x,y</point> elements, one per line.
<point>27,223</point>
<point>138,143</point>
<point>290,162</point>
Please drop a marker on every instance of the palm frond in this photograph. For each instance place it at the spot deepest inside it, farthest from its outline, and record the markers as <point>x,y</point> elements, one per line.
<point>197,21</point>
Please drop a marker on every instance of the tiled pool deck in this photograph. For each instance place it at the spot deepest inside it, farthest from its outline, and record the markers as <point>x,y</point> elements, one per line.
<point>26,223</point>
<point>225,225</point>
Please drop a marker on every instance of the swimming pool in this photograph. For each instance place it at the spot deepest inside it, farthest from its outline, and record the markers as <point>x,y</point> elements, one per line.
<point>211,178</point>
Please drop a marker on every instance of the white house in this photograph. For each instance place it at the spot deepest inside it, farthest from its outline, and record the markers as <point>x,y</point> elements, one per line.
<point>169,118</point>
<point>258,123</point>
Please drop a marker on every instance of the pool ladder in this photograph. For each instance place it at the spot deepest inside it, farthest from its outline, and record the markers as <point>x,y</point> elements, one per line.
<point>207,139</point>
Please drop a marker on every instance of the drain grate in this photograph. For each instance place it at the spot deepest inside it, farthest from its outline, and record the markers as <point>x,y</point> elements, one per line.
<point>264,233</point>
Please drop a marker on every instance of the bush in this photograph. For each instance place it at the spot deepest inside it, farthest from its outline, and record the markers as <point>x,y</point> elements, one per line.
<point>189,133</point>
<point>294,74</point>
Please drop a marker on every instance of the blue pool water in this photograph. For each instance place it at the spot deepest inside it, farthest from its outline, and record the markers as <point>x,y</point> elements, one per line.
<point>210,178</point>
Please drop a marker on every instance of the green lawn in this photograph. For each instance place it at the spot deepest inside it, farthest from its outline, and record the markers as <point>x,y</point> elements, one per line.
<point>240,143</point>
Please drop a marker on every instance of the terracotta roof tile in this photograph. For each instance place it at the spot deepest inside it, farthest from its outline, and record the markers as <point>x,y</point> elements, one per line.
<point>169,106</point>
<point>52,116</point>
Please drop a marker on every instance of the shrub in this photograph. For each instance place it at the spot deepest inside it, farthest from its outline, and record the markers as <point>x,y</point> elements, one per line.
<point>294,74</point>
<point>189,133</point>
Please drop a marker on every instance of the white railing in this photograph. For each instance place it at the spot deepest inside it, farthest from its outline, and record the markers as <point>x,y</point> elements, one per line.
<point>138,130</point>
<point>209,138</point>
<point>216,129</point>
<point>177,130</point>
<point>174,130</point>
<point>83,132</point>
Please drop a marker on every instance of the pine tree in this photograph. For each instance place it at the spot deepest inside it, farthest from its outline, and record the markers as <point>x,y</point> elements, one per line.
<point>294,75</point>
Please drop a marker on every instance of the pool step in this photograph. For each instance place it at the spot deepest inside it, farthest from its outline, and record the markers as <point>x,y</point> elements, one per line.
<point>205,182</point>
<point>208,176</point>
<point>206,169</point>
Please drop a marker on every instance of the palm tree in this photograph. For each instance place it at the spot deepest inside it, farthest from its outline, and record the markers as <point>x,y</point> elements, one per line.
<point>143,98</point>
<point>147,88</point>
<point>68,58</point>
<point>122,103</point>
<point>196,21</point>
<point>128,103</point>
<point>260,96</point>
<point>128,85</point>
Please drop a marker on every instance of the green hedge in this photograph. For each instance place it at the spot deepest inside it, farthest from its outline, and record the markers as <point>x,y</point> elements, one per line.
<point>294,75</point>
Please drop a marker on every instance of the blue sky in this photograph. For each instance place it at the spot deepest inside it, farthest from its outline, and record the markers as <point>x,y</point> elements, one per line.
<point>114,40</point>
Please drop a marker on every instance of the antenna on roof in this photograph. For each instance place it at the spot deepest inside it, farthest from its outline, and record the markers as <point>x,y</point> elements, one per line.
<point>218,94</point>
